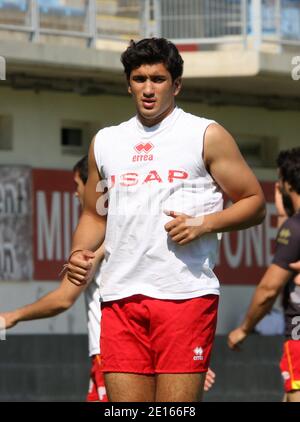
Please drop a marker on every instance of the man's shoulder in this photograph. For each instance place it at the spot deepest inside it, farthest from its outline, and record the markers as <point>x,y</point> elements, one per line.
<point>290,229</point>
<point>293,221</point>
<point>196,118</point>
<point>109,131</point>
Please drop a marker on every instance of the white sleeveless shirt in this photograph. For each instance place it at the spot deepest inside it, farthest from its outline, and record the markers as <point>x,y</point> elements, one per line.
<point>148,171</point>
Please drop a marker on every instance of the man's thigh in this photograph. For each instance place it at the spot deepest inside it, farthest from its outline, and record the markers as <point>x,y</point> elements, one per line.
<point>179,387</point>
<point>124,387</point>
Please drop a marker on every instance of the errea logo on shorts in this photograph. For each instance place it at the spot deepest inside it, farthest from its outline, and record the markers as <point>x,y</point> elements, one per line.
<point>143,150</point>
<point>198,351</point>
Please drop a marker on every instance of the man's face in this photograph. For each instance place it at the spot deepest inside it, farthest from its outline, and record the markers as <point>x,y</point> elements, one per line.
<point>153,91</point>
<point>79,187</point>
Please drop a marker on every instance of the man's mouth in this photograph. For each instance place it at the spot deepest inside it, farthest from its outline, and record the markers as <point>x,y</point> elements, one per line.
<point>148,103</point>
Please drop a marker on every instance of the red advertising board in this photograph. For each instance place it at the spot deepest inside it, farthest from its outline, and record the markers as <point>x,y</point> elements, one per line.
<point>55,216</point>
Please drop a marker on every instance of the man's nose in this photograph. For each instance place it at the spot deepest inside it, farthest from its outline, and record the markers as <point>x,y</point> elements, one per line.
<point>148,89</point>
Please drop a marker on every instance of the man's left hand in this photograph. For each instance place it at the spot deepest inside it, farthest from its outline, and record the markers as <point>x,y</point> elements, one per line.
<point>183,228</point>
<point>209,379</point>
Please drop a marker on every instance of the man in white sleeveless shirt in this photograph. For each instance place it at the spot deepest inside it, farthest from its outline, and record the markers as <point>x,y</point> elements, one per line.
<point>154,194</point>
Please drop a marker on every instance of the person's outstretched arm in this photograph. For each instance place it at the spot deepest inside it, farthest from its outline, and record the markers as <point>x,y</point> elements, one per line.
<point>53,303</point>
<point>272,283</point>
<point>262,302</point>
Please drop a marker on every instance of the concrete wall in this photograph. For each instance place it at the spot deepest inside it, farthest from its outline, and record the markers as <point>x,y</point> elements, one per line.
<point>251,375</point>
<point>37,118</point>
<point>44,368</point>
<point>56,368</point>
<point>15,294</point>
<point>37,122</point>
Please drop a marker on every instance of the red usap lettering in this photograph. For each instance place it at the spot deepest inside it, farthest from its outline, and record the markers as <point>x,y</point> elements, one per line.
<point>132,179</point>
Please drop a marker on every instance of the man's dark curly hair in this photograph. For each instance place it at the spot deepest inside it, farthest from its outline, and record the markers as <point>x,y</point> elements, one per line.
<point>152,51</point>
<point>288,162</point>
<point>82,166</point>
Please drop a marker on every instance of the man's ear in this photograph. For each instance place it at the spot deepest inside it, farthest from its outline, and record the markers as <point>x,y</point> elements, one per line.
<point>129,89</point>
<point>177,85</point>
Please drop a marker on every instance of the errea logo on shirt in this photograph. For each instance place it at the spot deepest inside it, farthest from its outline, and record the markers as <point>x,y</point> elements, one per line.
<point>198,353</point>
<point>143,150</point>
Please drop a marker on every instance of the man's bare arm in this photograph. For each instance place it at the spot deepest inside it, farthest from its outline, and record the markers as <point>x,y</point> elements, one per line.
<point>90,232</point>
<point>47,306</point>
<point>262,302</point>
<point>229,169</point>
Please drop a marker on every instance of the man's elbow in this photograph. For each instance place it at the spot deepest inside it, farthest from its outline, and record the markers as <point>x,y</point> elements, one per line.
<point>64,304</point>
<point>261,214</point>
<point>269,293</point>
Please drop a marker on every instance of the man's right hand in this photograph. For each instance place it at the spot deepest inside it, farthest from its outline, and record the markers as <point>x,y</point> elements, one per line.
<point>79,267</point>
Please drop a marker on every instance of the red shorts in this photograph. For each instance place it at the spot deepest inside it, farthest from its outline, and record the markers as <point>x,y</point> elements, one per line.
<point>144,335</point>
<point>290,365</point>
<point>97,390</point>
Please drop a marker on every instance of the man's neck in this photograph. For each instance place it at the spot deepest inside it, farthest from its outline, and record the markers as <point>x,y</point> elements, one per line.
<point>156,120</point>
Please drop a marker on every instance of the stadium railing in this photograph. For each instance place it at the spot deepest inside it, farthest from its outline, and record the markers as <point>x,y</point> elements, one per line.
<point>207,23</point>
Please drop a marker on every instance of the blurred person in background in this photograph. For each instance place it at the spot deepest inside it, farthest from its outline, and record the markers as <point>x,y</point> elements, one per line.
<point>280,276</point>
